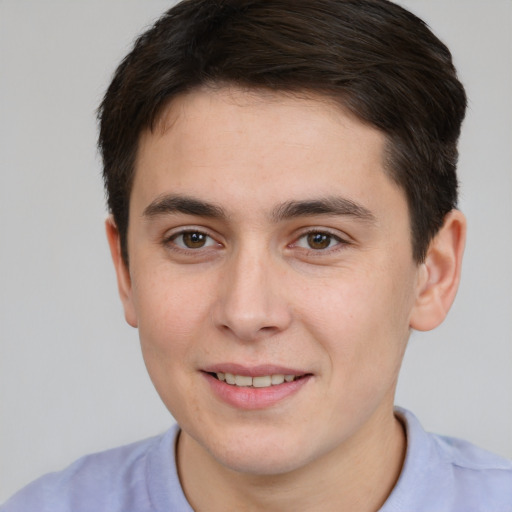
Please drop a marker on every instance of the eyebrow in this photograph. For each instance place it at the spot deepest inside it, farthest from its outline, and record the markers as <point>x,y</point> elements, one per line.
<point>169,204</point>
<point>338,206</point>
<point>324,206</point>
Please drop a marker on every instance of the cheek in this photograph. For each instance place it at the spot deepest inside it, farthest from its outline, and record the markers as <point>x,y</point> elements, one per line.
<point>171,311</point>
<point>172,317</point>
<point>362,320</point>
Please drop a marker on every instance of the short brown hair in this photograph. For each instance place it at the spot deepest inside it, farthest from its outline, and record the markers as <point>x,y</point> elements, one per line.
<point>375,58</point>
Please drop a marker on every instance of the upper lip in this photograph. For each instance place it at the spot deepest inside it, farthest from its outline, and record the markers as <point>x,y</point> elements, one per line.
<point>252,371</point>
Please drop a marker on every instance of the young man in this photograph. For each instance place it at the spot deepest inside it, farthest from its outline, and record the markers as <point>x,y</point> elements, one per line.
<point>281,179</point>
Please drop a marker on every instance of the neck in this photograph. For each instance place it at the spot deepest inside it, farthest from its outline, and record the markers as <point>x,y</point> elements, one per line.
<point>358,475</point>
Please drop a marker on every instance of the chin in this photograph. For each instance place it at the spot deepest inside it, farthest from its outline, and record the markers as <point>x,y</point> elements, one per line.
<point>260,464</point>
<point>258,454</point>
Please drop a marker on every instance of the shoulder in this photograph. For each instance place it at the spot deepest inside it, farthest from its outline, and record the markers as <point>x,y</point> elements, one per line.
<point>449,475</point>
<point>113,480</point>
<point>477,472</point>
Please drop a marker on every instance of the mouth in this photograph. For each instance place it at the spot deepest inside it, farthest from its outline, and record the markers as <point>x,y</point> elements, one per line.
<point>255,387</point>
<point>262,381</point>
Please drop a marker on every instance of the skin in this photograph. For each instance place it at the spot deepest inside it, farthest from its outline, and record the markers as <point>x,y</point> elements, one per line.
<point>259,292</point>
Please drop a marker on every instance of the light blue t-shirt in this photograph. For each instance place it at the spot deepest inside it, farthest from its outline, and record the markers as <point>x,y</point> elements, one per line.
<point>440,474</point>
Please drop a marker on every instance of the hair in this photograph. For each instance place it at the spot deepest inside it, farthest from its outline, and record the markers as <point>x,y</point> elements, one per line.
<point>374,58</point>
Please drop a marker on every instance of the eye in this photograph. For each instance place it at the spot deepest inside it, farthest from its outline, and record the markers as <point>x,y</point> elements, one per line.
<point>318,241</point>
<point>192,240</point>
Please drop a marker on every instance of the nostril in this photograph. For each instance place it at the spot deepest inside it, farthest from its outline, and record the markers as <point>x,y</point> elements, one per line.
<point>250,312</point>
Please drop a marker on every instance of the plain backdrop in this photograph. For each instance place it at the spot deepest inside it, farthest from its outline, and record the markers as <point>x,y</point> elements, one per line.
<point>72,380</point>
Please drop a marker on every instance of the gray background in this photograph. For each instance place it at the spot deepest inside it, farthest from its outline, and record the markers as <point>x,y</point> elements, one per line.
<point>71,377</point>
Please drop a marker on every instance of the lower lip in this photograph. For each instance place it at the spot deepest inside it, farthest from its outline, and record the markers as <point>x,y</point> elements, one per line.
<point>250,398</point>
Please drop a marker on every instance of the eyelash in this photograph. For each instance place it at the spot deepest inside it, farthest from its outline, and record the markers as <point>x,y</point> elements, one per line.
<point>170,241</point>
<point>340,243</point>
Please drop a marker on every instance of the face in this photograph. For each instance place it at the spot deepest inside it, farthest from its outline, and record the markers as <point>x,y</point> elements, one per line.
<point>271,276</point>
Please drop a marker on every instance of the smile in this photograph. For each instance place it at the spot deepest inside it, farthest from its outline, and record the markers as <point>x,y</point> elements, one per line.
<point>263,381</point>
<point>257,387</point>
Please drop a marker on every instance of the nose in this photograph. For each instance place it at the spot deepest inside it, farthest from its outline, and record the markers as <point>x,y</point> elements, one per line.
<point>251,302</point>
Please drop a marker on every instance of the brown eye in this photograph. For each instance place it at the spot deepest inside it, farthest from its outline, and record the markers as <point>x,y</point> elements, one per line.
<point>319,241</point>
<point>193,240</point>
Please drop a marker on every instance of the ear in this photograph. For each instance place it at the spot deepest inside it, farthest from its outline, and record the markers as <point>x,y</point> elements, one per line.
<point>124,282</point>
<point>439,274</point>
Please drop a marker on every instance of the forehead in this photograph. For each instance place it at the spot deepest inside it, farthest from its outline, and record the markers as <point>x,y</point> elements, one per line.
<point>237,145</point>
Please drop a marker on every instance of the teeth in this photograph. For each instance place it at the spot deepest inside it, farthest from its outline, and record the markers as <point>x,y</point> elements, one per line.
<point>243,380</point>
<point>277,379</point>
<point>263,381</point>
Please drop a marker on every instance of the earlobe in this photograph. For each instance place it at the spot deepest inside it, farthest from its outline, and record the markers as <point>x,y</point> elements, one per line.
<point>439,274</point>
<point>124,283</point>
